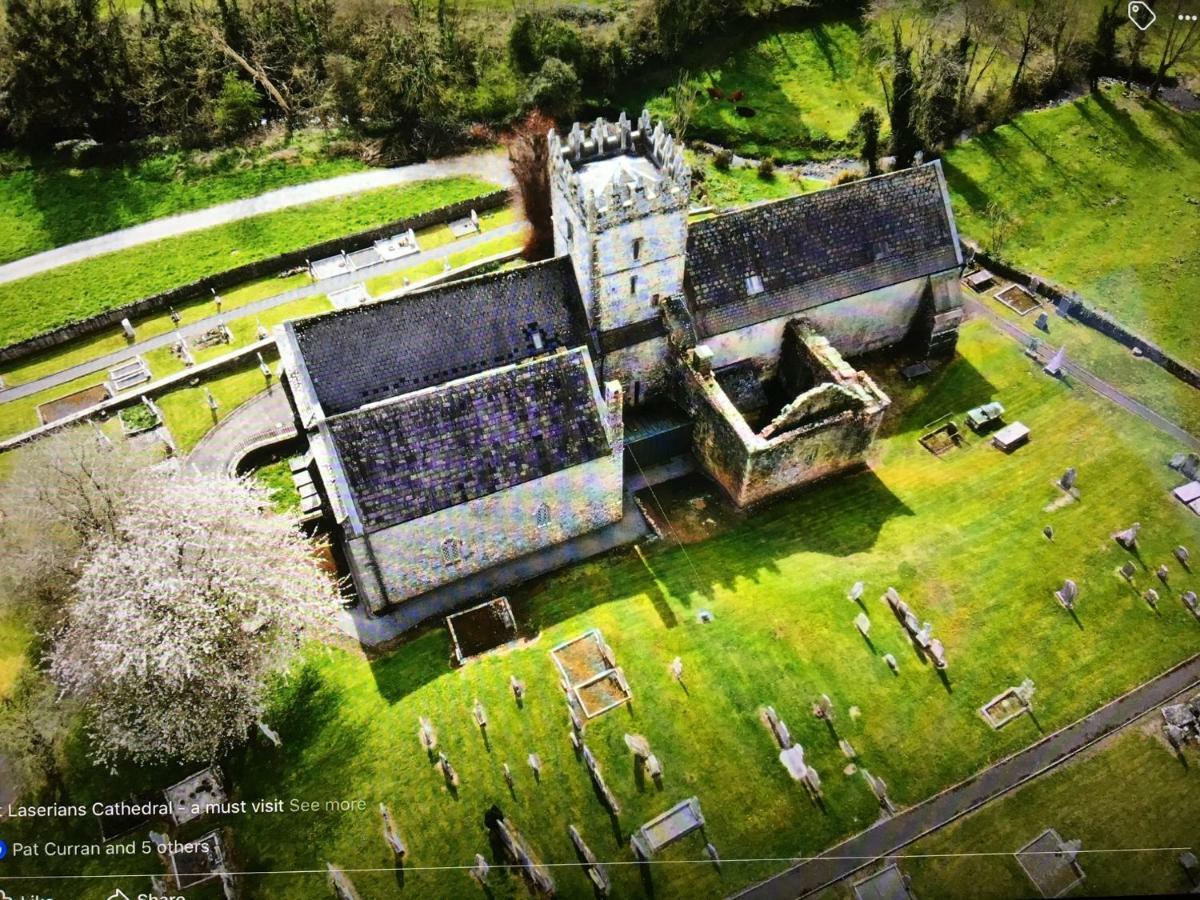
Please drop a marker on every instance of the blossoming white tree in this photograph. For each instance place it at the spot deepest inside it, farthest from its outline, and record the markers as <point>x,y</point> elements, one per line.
<point>182,613</point>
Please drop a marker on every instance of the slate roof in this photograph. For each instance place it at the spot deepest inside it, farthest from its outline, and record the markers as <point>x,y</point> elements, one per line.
<point>414,455</point>
<point>820,247</point>
<point>369,353</point>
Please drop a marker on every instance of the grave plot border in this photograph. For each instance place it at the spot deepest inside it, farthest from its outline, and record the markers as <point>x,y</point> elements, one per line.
<point>614,673</point>
<point>1081,876</point>
<point>997,724</point>
<point>1024,291</point>
<point>456,649</point>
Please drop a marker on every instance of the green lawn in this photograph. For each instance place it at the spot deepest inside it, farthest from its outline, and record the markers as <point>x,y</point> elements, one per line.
<point>1102,192</point>
<point>802,84</point>
<point>14,639</point>
<point>41,302</point>
<point>276,477</point>
<point>958,536</point>
<point>17,416</point>
<point>45,203</point>
<point>186,410</point>
<point>1131,792</point>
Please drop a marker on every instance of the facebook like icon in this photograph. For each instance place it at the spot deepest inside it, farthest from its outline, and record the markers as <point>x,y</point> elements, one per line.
<point>3,849</point>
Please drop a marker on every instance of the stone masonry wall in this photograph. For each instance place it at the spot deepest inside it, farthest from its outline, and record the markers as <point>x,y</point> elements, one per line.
<point>496,528</point>
<point>658,269</point>
<point>855,326</point>
<point>644,369</point>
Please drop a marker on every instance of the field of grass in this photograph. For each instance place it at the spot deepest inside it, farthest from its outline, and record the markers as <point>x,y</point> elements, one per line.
<point>17,416</point>
<point>1101,194</point>
<point>1130,792</point>
<point>959,536</point>
<point>14,639</point>
<point>276,477</point>
<point>41,302</point>
<point>45,203</point>
<point>802,87</point>
<point>186,411</point>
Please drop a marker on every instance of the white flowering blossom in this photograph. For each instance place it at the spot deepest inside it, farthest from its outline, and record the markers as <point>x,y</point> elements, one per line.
<point>181,615</point>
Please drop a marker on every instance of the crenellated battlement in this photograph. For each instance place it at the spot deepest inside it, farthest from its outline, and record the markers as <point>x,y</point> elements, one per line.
<point>580,164</point>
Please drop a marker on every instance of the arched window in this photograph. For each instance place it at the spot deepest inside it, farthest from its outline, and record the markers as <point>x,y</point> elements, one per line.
<point>451,551</point>
<point>542,516</point>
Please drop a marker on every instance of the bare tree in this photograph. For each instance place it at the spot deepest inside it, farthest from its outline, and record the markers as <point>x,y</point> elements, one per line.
<point>529,157</point>
<point>1182,38</point>
<point>1028,23</point>
<point>980,20</point>
<point>684,96</point>
<point>181,616</point>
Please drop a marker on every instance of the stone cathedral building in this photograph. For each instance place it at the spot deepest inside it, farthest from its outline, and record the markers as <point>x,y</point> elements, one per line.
<point>463,427</point>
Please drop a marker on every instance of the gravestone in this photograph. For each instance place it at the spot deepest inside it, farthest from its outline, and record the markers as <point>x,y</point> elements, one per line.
<point>508,775</point>
<point>1151,596</point>
<point>793,760</point>
<point>863,624</point>
<point>390,834</point>
<point>518,687</point>
<point>1189,600</point>
<point>127,327</point>
<point>1128,537</point>
<point>677,669</point>
<point>1163,574</point>
<point>480,870</point>
<point>1057,363</point>
<point>813,780</point>
<point>480,715</point>
<point>856,591</point>
<point>427,735</point>
<point>938,652</point>
<point>1067,594</point>
<point>847,749</point>
<point>1024,692</point>
<point>576,721</point>
<point>1067,481</point>
<point>1048,531</point>
<point>638,745</point>
<point>535,763</point>
<point>448,772</point>
<point>1181,554</point>
<point>782,736</point>
<point>1127,570</point>
<point>1042,323</point>
<point>711,852</point>
<point>823,708</point>
<point>653,767</point>
<point>343,888</point>
<point>891,661</point>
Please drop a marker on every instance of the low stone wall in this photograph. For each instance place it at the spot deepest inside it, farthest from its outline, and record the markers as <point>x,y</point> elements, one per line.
<point>248,272</point>
<point>1071,305</point>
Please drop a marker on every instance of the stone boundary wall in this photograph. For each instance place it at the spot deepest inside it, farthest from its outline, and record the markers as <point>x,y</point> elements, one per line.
<point>248,272</point>
<point>1071,305</point>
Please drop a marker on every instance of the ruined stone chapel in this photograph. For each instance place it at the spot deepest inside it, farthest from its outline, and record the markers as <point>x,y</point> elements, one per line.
<point>470,425</point>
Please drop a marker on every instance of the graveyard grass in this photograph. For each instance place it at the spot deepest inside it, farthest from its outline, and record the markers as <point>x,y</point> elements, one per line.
<point>186,410</point>
<point>1102,195</point>
<point>958,536</point>
<point>73,292</point>
<point>46,203</point>
<point>1129,792</point>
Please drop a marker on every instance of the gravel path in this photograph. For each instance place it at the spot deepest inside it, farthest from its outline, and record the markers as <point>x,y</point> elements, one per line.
<point>491,166</point>
<point>264,416</point>
<point>891,834</point>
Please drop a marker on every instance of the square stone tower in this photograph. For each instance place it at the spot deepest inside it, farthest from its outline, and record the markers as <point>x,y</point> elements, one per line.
<point>620,197</point>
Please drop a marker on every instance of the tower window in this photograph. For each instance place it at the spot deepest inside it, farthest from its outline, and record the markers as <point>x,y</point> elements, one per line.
<point>754,284</point>
<point>570,232</point>
<point>451,551</point>
<point>637,247</point>
<point>542,516</point>
<point>632,285</point>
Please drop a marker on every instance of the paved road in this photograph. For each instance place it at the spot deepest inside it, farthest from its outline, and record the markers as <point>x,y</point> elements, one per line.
<point>1099,385</point>
<point>266,415</point>
<point>890,835</point>
<point>491,166</point>
<point>324,286</point>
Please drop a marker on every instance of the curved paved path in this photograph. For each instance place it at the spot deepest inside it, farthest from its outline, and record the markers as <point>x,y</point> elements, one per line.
<point>263,416</point>
<point>491,166</point>
<point>890,835</point>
